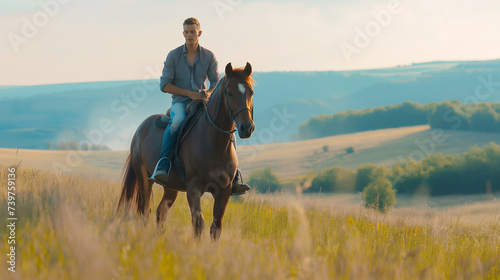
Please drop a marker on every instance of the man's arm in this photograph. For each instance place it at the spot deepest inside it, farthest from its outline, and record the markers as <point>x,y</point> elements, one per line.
<point>168,76</point>
<point>213,73</point>
<point>170,88</point>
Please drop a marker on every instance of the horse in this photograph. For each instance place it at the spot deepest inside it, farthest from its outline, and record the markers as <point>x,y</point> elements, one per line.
<point>207,154</point>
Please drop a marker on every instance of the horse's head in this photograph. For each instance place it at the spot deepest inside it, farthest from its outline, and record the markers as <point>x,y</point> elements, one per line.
<point>239,96</point>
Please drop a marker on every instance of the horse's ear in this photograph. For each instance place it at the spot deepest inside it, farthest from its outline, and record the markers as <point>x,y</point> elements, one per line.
<point>248,69</point>
<point>229,69</point>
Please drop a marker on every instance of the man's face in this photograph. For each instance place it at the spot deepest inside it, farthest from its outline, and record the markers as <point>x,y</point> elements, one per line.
<point>191,34</point>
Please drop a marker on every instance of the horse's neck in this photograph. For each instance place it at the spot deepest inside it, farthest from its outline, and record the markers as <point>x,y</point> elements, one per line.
<point>218,110</point>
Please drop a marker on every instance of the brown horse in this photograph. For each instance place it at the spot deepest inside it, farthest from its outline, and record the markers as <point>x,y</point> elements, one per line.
<point>207,154</point>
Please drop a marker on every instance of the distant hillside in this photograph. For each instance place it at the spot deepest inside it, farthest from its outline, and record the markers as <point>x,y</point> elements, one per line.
<point>34,116</point>
<point>9,92</point>
<point>458,82</point>
<point>351,121</point>
<point>450,114</point>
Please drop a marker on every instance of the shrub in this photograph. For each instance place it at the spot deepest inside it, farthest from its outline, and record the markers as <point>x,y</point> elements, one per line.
<point>349,150</point>
<point>379,195</point>
<point>264,180</point>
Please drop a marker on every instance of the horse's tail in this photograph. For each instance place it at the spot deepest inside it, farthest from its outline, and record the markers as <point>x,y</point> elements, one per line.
<point>129,184</point>
<point>135,187</point>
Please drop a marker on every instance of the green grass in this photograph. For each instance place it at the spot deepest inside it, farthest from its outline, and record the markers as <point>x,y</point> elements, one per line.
<point>68,229</point>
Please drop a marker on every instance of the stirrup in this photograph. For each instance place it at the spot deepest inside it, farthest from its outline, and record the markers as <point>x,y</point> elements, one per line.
<point>152,178</point>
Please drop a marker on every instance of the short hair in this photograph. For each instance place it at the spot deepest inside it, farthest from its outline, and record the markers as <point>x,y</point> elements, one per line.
<point>190,21</point>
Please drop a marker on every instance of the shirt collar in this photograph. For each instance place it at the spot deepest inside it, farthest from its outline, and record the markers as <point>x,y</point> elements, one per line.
<point>184,49</point>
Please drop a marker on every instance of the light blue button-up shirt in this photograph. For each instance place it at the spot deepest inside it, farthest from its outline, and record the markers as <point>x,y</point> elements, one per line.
<point>180,73</point>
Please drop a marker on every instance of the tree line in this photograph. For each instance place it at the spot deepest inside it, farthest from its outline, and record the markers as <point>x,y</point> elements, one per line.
<point>483,116</point>
<point>450,114</point>
<point>475,172</point>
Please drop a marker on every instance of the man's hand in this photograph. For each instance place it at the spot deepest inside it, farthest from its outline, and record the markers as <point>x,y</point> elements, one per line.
<point>206,95</point>
<point>209,91</point>
<point>195,95</point>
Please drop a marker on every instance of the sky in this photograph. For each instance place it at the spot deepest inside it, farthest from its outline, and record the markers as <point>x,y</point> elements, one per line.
<point>64,41</point>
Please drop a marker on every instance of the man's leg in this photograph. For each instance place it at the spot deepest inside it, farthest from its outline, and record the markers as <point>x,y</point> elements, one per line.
<point>177,115</point>
<point>238,186</point>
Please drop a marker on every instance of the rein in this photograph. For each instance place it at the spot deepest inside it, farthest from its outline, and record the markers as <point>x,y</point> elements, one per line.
<point>229,132</point>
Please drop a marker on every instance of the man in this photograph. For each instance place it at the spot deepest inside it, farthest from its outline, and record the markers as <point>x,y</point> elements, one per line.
<point>184,75</point>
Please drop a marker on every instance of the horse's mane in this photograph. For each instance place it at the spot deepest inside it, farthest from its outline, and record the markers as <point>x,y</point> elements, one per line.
<point>240,73</point>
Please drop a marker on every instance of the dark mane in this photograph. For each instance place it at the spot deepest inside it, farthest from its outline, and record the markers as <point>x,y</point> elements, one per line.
<point>240,74</point>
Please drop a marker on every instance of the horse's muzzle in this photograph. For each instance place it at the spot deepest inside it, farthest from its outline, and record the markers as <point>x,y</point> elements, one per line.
<point>245,129</point>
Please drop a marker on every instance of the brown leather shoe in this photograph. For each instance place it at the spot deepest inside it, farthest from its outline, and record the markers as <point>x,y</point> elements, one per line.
<point>239,188</point>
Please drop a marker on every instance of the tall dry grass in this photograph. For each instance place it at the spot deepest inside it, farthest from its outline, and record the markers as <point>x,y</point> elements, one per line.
<point>68,228</point>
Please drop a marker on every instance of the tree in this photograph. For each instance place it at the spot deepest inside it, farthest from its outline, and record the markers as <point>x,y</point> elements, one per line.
<point>368,173</point>
<point>264,180</point>
<point>379,195</point>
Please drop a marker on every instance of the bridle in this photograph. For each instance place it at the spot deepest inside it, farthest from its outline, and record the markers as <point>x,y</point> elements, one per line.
<point>229,132</point>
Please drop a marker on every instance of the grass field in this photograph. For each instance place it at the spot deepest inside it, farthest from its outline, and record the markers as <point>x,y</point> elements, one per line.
<point>68,228</point>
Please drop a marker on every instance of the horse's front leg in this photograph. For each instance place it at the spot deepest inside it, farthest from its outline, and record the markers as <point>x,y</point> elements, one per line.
<point>194,200</point>
<point>221,199</point>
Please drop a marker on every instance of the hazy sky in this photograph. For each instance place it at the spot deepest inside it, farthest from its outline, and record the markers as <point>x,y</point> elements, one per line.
<point>60,41</point>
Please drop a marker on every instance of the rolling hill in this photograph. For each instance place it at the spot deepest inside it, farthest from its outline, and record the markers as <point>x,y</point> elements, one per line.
<point>289,160</point>
<point>32,117</point>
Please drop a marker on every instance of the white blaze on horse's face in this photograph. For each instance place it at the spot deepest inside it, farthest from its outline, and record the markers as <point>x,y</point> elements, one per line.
<point>241,87</point>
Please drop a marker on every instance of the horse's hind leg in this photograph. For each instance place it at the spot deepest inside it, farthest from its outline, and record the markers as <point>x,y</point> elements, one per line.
<point>220,204</point>
<point>194,200</point>
<point>166,202</point>
<point>145,188</point>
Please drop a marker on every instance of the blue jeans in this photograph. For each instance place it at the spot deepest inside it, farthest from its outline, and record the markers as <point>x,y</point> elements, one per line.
<point>177,117</point>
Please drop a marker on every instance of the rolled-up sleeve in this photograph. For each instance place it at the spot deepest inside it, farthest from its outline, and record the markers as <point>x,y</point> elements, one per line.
<point>168,73</point>
<point>213,72</point>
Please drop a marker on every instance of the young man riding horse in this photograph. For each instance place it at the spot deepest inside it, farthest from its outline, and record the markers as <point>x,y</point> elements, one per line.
<point>184,75</point>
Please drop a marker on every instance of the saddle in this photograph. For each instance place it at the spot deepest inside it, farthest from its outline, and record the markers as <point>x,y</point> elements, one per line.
<point>193,112</point>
